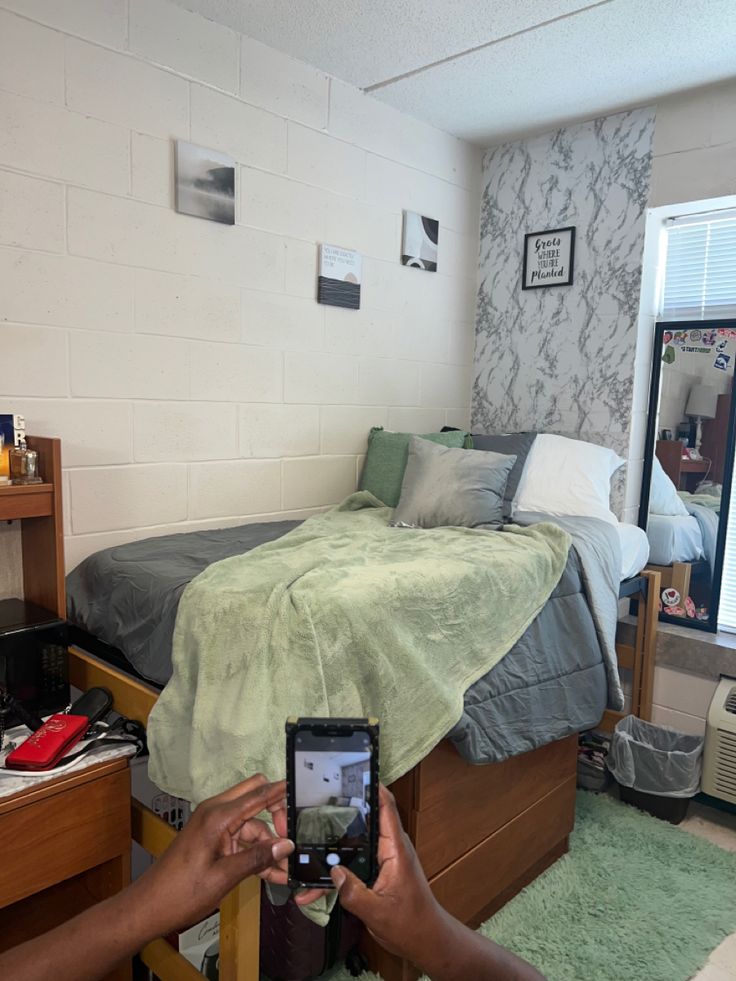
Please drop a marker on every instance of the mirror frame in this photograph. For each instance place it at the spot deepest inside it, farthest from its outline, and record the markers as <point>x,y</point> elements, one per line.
<point>661,327</point>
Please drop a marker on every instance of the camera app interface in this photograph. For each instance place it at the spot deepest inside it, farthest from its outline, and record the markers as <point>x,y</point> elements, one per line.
<point>332,797</point>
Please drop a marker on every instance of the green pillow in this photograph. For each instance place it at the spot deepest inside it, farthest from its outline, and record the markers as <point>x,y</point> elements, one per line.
<point>386,458</point>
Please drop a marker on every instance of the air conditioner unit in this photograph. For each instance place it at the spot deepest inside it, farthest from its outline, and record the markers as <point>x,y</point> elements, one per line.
<point>719,757</point>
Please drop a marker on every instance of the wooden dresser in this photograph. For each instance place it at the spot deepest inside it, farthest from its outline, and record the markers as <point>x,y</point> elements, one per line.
<point>65,843</point>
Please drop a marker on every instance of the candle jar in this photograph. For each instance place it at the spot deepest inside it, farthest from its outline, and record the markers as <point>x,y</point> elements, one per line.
<point>23,465</point>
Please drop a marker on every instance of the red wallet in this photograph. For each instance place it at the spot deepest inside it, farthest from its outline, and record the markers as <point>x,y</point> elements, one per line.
<point>45,747</point>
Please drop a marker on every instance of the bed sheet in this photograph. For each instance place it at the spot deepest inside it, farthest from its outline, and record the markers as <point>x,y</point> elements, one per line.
<point>634,549</point>
<point>674,538</point>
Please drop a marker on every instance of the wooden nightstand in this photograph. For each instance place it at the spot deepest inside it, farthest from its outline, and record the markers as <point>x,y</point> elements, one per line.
<point>64,845</point>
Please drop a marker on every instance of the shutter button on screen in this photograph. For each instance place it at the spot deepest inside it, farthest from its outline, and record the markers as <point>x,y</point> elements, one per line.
<point>333,859</point>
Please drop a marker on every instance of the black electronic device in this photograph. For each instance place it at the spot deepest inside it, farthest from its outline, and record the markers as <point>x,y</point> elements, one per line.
<point>332,798</point>
<point>33,658</point>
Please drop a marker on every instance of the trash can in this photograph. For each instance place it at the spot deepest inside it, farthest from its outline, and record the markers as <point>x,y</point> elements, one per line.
<point>657,769</point>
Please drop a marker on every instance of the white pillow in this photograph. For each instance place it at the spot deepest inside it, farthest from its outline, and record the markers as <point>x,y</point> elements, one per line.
<point>663,496</point>
<point>568,476</point>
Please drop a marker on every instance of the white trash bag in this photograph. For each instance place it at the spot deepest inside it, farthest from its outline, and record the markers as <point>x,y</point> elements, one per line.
<point>655,760</point>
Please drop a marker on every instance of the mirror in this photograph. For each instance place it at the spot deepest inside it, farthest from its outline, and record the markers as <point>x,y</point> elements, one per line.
<point>686,485</point>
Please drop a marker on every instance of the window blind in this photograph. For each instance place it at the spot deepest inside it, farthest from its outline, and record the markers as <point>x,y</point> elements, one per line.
<point>727,604</point>
<point>700,271</point>
<point>700,284</point>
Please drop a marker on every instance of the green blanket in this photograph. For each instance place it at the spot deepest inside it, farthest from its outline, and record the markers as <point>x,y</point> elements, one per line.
<point>343,616</point>
<point>325,823</point>
<point>710,501</point>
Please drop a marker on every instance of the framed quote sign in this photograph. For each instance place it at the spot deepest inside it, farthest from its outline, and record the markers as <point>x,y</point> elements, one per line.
<point>548,258</point>
<point>338,283</point>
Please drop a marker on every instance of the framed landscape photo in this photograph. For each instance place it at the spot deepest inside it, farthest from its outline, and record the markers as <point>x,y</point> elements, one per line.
<point>205,183</point>
<point>548,258</point>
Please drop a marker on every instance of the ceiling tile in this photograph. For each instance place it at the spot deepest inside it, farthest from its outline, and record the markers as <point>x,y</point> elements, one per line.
<point>370,41</point>
<point>623,53</point>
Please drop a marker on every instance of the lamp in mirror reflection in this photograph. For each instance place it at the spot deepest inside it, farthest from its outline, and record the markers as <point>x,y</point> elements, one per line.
<point>701,404</point>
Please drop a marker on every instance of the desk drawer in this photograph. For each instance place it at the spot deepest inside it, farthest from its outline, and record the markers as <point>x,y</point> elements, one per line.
<point>46,841</point>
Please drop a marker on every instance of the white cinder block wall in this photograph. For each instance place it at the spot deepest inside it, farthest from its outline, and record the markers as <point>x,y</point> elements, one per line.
<point>193,378</point>
<point>681,700</point>
<point>694,152</point>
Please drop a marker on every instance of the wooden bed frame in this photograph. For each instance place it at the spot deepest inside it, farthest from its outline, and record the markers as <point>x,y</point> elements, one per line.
<point>482,832</point>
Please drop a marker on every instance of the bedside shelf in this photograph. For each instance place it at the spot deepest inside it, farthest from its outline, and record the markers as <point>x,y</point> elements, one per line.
<point>39,510</point>
<point>26,501</point>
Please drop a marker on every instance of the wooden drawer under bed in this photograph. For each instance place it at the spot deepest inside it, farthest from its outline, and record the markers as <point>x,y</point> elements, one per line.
<point>448,805</point>
<point>483,832</point>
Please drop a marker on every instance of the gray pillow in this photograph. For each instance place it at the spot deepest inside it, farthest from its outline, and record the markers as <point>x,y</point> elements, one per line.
<point>447,486</point>
<point>517,444</point>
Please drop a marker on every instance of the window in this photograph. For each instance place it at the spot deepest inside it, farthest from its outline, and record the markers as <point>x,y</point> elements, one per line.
<point>700,274</point>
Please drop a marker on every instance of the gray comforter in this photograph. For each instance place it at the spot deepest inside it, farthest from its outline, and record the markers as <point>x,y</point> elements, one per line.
<point>555,681</point>
<point>707,520</point>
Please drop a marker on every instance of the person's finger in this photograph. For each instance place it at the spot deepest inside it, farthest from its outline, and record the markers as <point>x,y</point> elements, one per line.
<point>355,896</point>
<point>276,875</point>
<point>280,822</point>
<point>308,896</point>
<point>255,830</point>
<point>389,822</point>
<point>233,814</point>
<point>279,805</point>
<point>239,789</point>
<point>253,860</point>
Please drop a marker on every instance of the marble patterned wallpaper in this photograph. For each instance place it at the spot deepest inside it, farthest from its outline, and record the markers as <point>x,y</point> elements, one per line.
<point>561,359</point>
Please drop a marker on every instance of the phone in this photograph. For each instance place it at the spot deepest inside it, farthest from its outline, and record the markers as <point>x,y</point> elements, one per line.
<point>332,798</point>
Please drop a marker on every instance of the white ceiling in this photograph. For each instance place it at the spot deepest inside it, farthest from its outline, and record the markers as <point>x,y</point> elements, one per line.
<point>488,70</point>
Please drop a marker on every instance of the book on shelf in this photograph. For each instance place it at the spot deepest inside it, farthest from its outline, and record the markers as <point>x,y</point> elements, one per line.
<point>12,430</point>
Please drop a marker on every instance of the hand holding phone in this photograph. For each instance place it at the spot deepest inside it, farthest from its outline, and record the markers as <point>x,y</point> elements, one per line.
<point>332,798</point>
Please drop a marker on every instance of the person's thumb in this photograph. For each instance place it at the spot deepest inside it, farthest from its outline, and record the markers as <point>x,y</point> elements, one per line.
<point>355,896</point>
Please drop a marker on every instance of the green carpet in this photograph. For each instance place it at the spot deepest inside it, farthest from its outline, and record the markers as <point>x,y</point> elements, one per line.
<point>635,900</point>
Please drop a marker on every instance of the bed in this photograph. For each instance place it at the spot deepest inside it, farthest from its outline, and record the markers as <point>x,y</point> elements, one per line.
<point>674,538</point>
<point>510,818</point>
<point>330,823</point>
<point>551,684</point>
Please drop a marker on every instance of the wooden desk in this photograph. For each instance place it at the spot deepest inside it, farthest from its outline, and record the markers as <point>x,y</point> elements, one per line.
<point>685,474</point>
<point>64,846</point>
<point>692,472</point>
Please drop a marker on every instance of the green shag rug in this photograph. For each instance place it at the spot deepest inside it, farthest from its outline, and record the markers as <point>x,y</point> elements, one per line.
<point>635,899</point>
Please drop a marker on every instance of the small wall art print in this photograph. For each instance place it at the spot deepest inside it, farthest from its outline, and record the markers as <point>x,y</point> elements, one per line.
<point>548,258</point>
<point>205,183</point>
<point>340,272</point>
<point>419,241</point>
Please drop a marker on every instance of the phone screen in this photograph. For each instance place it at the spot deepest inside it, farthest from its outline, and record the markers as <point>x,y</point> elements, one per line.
<point>333,800</point>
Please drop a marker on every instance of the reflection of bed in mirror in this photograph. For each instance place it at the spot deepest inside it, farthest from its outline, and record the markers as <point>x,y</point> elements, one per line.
<point>682,539</point>
<point>685,527</point>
